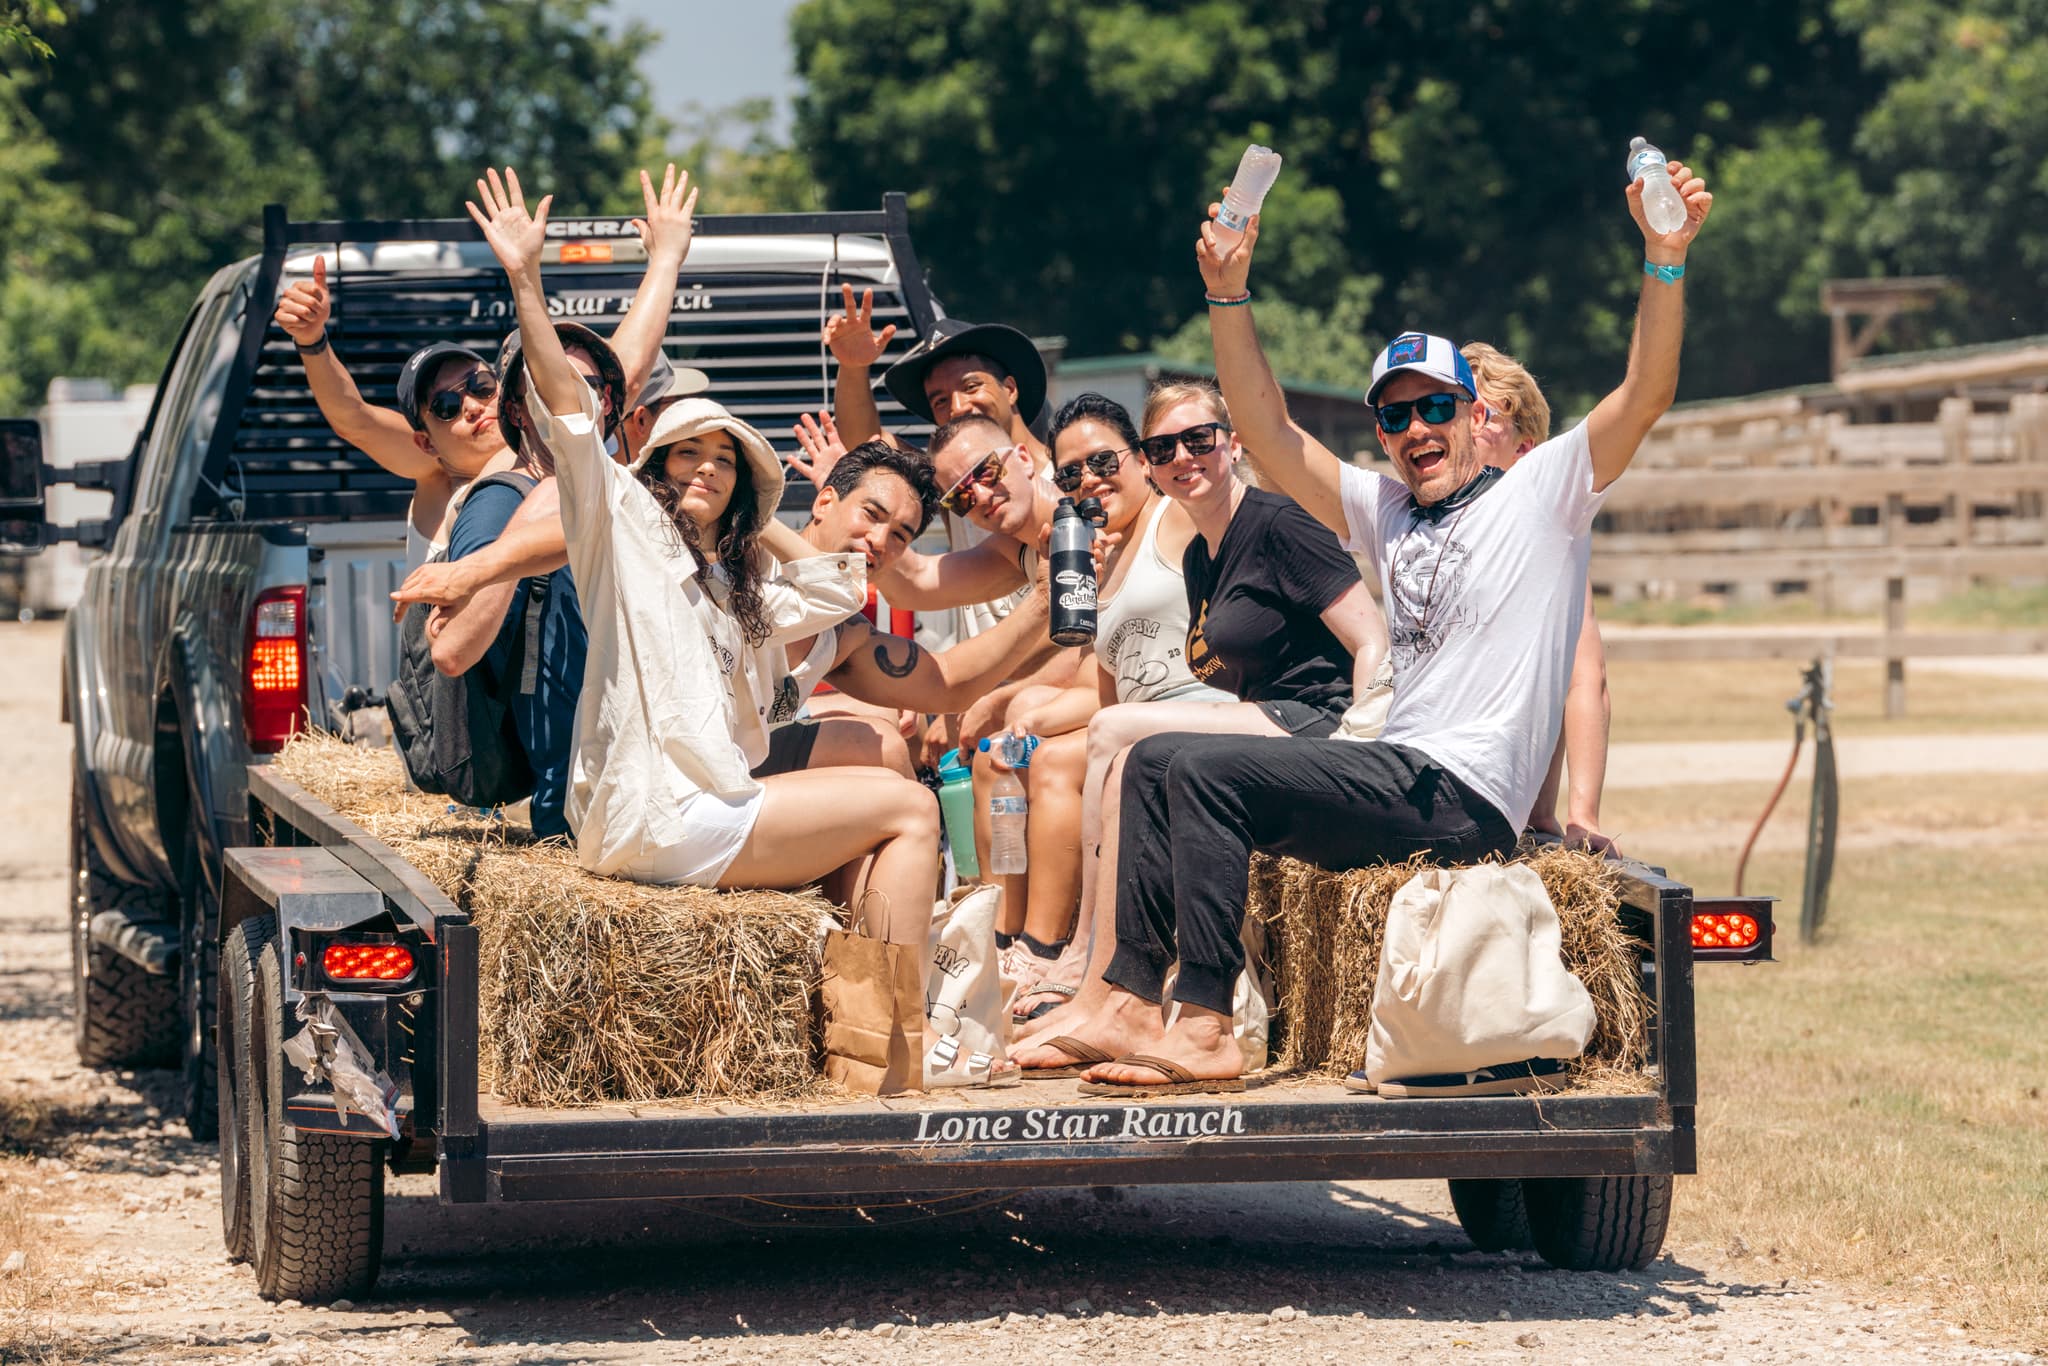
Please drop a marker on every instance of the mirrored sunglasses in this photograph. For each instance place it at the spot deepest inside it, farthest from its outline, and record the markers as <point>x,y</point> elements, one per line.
<point>1101,464</point>
<point>1434,409</point>
<point>959,497</point>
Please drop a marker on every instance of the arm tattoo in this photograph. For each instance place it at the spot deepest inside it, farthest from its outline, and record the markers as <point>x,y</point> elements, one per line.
<point>891,667</point>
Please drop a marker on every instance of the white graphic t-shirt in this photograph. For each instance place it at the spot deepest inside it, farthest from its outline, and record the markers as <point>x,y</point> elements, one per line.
<point>1483,611</point>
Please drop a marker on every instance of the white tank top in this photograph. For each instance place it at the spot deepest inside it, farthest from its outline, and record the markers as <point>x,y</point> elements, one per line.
<point>1141,633</point>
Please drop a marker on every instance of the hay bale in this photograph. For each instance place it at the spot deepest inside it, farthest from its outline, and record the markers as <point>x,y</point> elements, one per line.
<point>1326,930</point>
<point>597,989</point>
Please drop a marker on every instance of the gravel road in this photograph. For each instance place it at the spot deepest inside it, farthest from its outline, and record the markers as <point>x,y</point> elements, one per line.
<point>128,1246</point>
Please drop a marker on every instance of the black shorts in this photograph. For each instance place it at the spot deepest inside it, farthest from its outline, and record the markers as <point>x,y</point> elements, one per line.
<point>1305,720</point>
<point>789,748</point>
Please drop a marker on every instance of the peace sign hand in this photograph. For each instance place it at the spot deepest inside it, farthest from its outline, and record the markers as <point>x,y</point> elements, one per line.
<point>850,336</point>
<point>515,235</point>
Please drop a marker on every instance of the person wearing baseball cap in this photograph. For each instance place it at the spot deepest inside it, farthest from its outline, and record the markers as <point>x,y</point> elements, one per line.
<point>1482,574</point>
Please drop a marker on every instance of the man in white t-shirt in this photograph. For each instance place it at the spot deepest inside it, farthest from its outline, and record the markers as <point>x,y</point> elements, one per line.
<point>1482,574</point>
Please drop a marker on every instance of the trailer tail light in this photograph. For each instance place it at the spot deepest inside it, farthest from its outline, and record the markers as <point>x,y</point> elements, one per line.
<point>274,687</point>
<point>366,962</point>
<point>1732,929</point>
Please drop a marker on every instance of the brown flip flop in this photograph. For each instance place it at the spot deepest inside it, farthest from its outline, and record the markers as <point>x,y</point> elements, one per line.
<point>1179,1081</point>
<point>1086,1055</point>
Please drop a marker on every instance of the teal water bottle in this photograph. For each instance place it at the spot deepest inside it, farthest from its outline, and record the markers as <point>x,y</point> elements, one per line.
<point>956,806</point>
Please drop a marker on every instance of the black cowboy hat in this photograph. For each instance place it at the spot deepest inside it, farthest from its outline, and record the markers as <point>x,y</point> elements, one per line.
<point>1006,346</point>
<point>512,418</point>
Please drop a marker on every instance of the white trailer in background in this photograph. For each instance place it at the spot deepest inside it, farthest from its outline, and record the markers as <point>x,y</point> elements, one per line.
<point>83,420</point>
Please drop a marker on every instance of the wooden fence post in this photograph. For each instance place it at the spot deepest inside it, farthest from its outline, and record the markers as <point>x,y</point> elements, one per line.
<point>1894,657</point>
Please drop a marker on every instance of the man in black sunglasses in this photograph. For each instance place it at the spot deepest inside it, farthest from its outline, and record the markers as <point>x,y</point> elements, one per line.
<point>1482,574</point>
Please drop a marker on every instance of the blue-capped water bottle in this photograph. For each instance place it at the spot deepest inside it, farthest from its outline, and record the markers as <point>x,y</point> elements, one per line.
<point>1008,808</point>
<point>1663,206</point>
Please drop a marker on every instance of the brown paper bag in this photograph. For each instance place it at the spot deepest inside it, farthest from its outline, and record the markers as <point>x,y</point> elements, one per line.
<point>874,1013</point>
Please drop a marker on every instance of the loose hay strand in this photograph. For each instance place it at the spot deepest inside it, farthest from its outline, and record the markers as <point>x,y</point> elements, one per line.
<point>596,989</point>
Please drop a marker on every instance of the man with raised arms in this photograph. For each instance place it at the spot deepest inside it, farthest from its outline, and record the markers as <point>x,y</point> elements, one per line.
<point>1482,573</point>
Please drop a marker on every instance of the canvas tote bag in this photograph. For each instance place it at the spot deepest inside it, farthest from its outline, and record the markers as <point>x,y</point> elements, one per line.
<point>1471,976</point>
<point>873,995</point>
<point>964,993</point>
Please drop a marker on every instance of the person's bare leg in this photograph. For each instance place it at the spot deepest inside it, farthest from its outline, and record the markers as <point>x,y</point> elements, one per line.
<point>1054,835</point>
<point>1110,733</point>
<point>984,775</point>
<point>1199,1040</point>
<point>860,742</point>
<point>816,820</point>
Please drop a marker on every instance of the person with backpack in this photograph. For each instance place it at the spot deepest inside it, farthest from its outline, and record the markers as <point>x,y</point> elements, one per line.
<point>673,559</point>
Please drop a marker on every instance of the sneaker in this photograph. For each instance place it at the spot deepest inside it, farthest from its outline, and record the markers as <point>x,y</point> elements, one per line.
<point>1360,1084</point>
<point>1502,1079</point>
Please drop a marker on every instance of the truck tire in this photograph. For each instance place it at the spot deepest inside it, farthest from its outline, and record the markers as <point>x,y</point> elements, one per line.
<point>237,1010</point>
<point>1492,1213</point>
<point>121,1016</point>
<point>316,1201</point>
<point>198,994</point>
<point>1598,1223</point>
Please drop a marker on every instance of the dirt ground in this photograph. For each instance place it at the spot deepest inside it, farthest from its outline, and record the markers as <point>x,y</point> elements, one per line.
<point>116,1215</point>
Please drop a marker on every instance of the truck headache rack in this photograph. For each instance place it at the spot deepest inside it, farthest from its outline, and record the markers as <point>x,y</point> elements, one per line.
<point>754,328</point>
<point>1040,1133</point>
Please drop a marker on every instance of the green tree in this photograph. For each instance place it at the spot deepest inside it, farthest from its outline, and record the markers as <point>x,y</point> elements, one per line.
<point>744,166</point>
<point>164,129</point>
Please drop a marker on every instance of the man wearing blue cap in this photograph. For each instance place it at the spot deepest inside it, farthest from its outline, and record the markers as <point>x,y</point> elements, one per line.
<point>1482,575</point>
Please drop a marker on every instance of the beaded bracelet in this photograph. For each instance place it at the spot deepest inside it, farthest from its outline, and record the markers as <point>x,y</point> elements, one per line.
<point>1239,302</point>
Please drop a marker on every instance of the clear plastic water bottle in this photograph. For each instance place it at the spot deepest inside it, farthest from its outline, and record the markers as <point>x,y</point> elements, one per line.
<point>1256,172</point>
<point>1663,206</point>
<point>1008,808</point>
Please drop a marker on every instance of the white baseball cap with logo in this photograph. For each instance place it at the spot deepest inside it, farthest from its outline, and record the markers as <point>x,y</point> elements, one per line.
<point>1422,354</point>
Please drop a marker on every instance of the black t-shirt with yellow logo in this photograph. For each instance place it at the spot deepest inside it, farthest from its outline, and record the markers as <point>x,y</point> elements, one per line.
<point>1255,610</point>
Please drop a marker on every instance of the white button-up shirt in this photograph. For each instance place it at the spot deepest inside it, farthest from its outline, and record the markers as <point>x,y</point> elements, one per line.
<point>656,721</point>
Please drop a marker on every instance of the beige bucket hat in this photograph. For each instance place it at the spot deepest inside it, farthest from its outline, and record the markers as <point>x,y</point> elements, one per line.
<point>688,417</point>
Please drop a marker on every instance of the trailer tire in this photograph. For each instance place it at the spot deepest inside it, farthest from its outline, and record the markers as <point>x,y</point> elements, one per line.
<point>1598,1223</point>
<point>198,995</point>
<point>316,1201</point>
<point>121,1015</point>
<point>237,1010</point>
<point>1492,1213</point>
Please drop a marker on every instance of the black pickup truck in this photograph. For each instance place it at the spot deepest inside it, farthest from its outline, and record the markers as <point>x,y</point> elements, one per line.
<point>241,588</point>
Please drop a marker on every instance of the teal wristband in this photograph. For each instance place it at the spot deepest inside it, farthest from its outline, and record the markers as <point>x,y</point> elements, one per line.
<point>1239,302</point>
<point>1670,275</point>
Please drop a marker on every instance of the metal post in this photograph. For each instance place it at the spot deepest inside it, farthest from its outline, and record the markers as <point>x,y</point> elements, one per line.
<point>1894,647</point>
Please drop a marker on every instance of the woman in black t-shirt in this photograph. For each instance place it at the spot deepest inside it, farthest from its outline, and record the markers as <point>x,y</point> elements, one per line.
<point>1277,616</point>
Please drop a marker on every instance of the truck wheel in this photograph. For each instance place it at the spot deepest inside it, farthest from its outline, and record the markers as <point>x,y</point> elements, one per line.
<point>1598,1223</point>
<point>316,1201</point>
<point>237,1009</point>
<point>121,1016</point>
<point>1492,1213</point>
<point>198,988</point>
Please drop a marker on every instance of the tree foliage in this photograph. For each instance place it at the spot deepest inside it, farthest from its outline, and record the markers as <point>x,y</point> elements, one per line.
<point>150,140</point>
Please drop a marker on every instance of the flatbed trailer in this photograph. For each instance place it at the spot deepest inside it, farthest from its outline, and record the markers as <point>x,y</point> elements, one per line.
<point>1584,1178</point>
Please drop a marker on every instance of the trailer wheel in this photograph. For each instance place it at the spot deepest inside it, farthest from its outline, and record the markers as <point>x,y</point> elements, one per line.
<point>316,1201</point>
<point>1598,1223</point>
<point>198,994</point>
<point>121,1016</point>
<point>237,1010</point>
<point>1492,1213</point>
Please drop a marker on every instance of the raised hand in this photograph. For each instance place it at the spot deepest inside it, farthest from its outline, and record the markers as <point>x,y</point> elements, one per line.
<point>851,337</point>
<point>822,447</point>
<point>516,236</point>
<point>670,214</point>
<point>1226,266</point>
<point>1670,247</point>
<point>303,309</point>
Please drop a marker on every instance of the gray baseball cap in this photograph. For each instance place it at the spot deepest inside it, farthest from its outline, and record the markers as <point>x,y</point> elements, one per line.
<point>667,380</point>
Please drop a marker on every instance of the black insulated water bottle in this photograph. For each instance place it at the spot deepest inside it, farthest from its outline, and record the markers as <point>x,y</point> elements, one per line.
<point>1073,576</point>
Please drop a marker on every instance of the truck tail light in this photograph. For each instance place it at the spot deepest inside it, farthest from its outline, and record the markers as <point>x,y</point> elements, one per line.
<point>366,962</point>
<point>274,661</point>
<point>1733,929</point>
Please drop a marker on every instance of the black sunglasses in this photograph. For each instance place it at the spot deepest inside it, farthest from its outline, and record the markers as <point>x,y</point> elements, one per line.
<point>1102,464</point>
<point>1435,409</point>
<point>1199,439</point>
<point>446,404</point>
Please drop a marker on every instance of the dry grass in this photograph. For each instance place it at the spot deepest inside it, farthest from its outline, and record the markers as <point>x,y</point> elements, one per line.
<point>1874,1108</point>
<point>1745,700</point>
<point>1325,935</point>
<point>27,1299</point>
<point>596,989</point>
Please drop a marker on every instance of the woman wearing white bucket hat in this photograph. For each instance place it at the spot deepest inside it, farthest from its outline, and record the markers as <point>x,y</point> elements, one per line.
<point>682,601</point>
